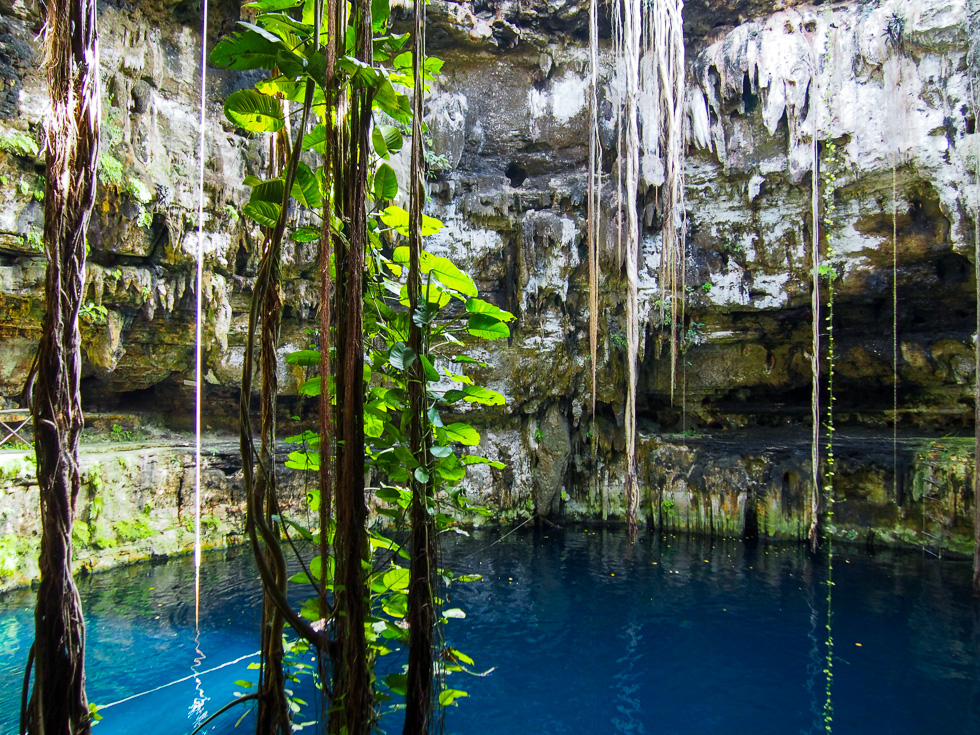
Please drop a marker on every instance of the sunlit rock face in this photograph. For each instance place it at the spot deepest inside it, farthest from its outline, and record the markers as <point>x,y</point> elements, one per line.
<point>885,82</point>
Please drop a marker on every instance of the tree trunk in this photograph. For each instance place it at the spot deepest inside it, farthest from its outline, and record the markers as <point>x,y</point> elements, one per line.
<point>421,616</point>
<point>58,705</point>
<point>353,699</point>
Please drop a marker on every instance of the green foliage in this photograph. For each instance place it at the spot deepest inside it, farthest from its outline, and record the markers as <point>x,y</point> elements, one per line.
<point>130,531</point>
<point>110,134</point>
<point>34,239</point>
<point>110,169</point>
<point>12,550</point>
<point>450,313</point>
<point>19,144</point>
<point>31,187</point>
<point>118,434</point>
<point>93,314</point>
<point>140,193</point>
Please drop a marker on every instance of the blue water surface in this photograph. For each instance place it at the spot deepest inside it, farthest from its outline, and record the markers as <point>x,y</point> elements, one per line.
<point>584,633</point>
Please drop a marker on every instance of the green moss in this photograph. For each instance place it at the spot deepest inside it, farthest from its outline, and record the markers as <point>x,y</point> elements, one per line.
<point>80,534</point>
<point>101,536</point>
<point>12,550</point>
<point>19,144</point>
<point>134,530</point>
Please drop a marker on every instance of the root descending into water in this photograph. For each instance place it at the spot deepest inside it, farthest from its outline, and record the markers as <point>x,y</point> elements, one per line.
<point>648,39</point>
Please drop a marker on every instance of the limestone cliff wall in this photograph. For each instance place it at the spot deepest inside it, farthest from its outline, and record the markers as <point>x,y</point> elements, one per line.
<point>509,125</point>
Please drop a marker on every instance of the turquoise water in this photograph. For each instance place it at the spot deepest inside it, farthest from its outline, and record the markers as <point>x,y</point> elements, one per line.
<point>584,633</point>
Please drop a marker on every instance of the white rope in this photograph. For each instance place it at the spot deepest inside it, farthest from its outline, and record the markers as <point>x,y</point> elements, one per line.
<point>179,681</point>
<point>199,308</point>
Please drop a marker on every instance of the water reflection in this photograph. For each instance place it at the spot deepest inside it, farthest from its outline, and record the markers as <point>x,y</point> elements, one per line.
<point>586,633</point>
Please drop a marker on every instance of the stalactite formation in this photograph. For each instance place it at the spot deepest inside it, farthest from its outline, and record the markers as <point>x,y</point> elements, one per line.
<point>58,703</point>
<point>648,42</point>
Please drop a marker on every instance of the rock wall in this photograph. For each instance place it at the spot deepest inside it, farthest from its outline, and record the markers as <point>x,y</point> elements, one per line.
<point>137,500</point>
<point>508,119</point>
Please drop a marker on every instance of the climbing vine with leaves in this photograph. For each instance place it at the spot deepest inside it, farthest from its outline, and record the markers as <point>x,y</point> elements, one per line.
<point>395,322</point>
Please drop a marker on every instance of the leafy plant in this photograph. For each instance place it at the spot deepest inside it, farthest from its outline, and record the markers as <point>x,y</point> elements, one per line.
<point>140,193</point>
<point>133,530</point>
<point>110,169</point>
<point>19,144</point>
<point>93,314</point>
<point>414,311</point>
<point>33,239</point>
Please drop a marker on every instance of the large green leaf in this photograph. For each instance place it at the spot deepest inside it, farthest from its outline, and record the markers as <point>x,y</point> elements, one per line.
<point>316,139</point>
<point>486,327</point>
<point>245,51</point>
<point>265,213</point>
<point>254,112</point>
<point>304,358</point>
<point>306,234</point>
<point>449,696</point>
<point>267,191</point>
<point>433,294</point>
<point>288,88</point>
<point>431,374</point>
<point>469,459</point>
<point>479,306</point>
<point>458,432</point>
<point>380,10</point>
<point>447,272</point>
<point>373,426</point>
<point>395,579</point>
<point>311,387</point>
<point>449,469</point>
<point>269,6</point>
<point>378,141</point>
<point>290,64</point>
<point>306,188</point>
<point>304,461</point>
<point>397,218</point>
<point>385,183</point>
<point>401,356</point>
<point>394,104</point>
<point>392,137</point>
<point>483,396</point>
<point>443,268</point>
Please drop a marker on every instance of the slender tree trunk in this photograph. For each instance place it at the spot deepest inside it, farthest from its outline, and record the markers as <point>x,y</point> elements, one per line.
<point>58,705</point>
<point>353,699</point>
<point>421,601</point>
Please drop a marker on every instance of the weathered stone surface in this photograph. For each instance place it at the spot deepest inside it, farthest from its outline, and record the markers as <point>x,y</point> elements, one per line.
<point>137,500</point>
<point>509,119</point>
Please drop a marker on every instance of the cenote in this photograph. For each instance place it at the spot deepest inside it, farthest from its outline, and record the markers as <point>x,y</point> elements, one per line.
<point>584,633</point>
<point>556,293</point>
